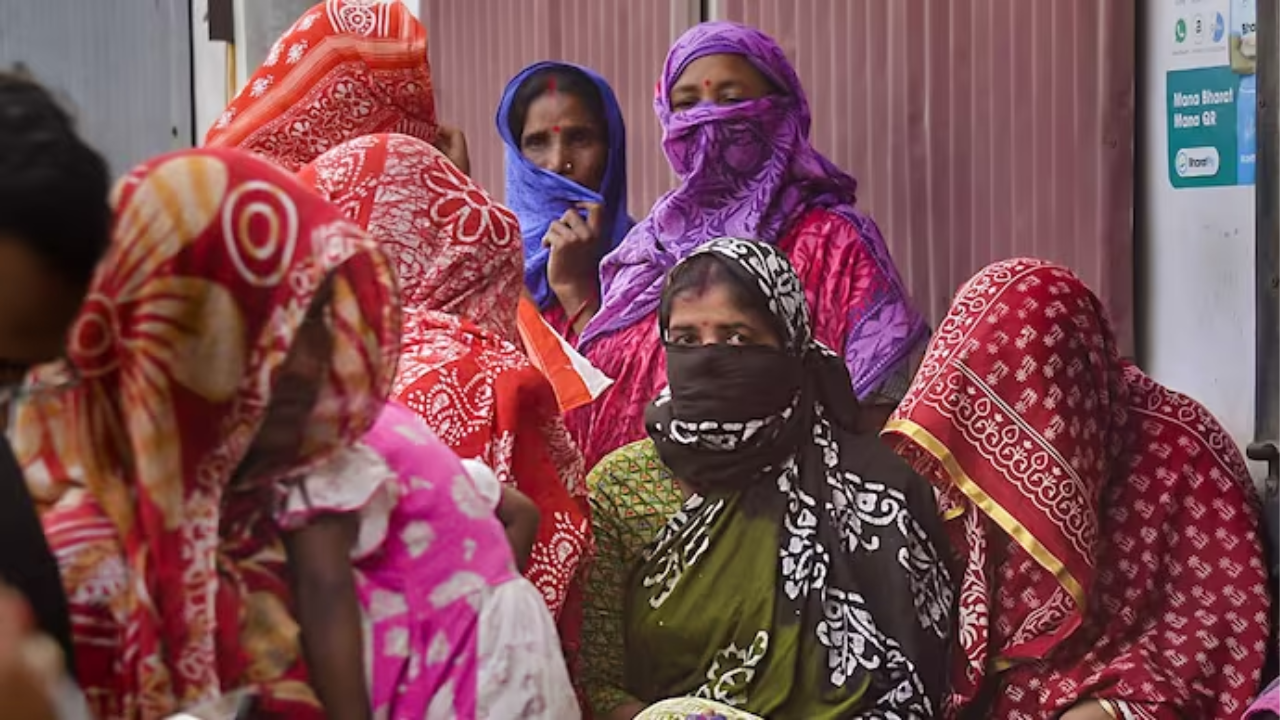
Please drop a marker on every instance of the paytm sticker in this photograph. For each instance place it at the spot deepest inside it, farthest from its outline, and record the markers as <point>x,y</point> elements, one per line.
<point>1197,162</point>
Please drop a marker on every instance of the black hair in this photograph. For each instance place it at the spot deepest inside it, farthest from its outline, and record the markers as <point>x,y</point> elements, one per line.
<point>53,186</point>
<point>570,81</point>
<point>696,276</point>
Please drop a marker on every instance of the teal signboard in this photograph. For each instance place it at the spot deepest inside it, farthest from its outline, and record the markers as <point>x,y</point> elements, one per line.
<point>1211,99</point>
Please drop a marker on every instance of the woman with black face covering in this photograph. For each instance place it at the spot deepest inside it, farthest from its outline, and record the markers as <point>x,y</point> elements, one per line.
<point>797,569</point>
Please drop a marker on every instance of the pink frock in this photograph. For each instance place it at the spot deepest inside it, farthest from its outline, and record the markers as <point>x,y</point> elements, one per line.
<point>452,630</point>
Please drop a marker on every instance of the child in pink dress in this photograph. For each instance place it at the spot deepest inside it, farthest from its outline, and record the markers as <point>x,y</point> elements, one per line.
<point>451,628</point>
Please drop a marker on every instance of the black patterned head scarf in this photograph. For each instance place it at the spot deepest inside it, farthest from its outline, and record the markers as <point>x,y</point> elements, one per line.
<point>860,547</point>
<point>731,412</point>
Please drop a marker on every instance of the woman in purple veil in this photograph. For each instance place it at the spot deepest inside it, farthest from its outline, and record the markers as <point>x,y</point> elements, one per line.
<point>736,132</point>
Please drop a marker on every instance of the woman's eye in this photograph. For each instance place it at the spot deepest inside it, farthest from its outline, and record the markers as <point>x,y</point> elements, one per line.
<point>684,339</point>
<point>581,139</point>
<point>533,143</point>
<point>682,104</point>
<point>731,99</point>
<point>739,339</point>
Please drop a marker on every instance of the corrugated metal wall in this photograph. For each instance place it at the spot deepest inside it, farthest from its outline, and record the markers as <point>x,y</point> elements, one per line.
<point>124,68</point>
<point>479,45</point>
<point>979,129</point>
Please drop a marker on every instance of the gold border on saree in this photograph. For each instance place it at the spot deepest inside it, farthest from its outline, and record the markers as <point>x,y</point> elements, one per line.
<point>989,506</point>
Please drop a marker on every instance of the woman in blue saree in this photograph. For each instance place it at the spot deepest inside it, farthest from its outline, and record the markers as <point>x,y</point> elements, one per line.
<point>566,180</point>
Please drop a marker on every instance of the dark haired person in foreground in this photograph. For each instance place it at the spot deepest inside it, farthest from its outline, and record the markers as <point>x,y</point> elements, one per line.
<point>54,226</point>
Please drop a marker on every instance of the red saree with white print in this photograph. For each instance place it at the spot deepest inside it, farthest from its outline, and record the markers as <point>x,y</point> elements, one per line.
<point>1108,525</point>
<point>458,254</point>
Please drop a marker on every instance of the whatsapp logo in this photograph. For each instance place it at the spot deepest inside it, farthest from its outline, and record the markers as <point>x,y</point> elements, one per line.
<point>1180,30</point>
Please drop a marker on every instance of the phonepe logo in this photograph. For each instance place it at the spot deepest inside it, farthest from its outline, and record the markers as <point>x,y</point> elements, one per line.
<point>1197,162</point>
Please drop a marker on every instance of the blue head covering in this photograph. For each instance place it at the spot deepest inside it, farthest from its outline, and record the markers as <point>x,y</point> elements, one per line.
<point>539,197</point>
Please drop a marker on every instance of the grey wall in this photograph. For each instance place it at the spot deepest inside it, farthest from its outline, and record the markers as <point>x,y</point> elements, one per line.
<point>123,67</point>
<point>264,23</point>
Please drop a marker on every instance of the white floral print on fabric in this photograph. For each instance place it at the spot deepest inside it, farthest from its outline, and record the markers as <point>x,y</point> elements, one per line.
<point>680,545</point>
<point>732,671</point>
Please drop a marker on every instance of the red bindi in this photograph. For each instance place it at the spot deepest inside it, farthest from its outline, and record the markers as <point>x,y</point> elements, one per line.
<point>706,83</point>
<point>551,86</point>
<point>555,128</point>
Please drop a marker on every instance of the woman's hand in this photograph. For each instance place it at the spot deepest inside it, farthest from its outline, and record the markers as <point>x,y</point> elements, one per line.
<point>30,664</point>
<point>1087,710</point>
<point>453,143</point>
<point>573,270</point>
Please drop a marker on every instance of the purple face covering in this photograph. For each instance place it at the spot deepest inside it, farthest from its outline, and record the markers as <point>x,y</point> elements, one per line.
<point>1267,705</point>
<point>746,170</point>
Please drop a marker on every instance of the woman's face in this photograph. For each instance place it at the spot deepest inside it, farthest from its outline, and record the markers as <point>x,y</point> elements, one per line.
<point>562,136</point>
<point>722,79</point>
<point>715,317</point>
<point>294,396</point>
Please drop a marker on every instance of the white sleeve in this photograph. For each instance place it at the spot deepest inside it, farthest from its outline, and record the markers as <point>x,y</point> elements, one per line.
<point>486,481</point>
<point>356,480</point>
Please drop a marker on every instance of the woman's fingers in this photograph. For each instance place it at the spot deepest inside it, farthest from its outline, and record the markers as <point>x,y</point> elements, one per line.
<point>595,216</point>
<point>28,666</point>
<point>572,219</point>
<point>558,235</point>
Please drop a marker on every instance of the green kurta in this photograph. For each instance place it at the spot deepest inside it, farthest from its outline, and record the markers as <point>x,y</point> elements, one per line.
<point>632,497</point>
<point>693,614</point>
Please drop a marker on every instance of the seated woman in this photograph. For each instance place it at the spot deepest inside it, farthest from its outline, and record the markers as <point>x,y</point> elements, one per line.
<point>566,162</point>
<point>736,131</point>
<point>757,551</point>
<point>1108,526</point>
<point>457,254</point>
